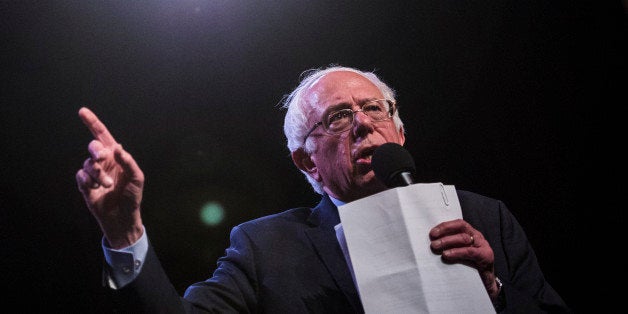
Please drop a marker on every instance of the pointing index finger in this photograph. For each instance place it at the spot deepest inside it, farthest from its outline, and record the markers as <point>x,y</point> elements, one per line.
<point>98,129</point>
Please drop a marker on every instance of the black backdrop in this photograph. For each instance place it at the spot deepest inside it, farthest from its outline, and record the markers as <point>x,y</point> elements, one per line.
<point>498,98</point>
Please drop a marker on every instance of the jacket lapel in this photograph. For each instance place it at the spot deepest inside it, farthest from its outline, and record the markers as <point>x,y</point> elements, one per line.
<point>323,236</point>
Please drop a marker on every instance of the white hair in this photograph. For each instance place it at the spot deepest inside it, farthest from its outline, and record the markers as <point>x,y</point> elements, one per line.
<point>295,123</point>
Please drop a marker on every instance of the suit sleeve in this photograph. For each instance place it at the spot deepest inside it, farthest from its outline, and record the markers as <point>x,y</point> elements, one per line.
<point>150,292</point>
<point>229,290</point>
<point>525,288</point>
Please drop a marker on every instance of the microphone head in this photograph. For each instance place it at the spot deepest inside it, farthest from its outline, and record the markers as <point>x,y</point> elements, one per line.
<point>389,162</point>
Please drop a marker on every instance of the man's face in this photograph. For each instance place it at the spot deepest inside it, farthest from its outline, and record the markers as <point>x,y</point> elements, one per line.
<point>342,162</point>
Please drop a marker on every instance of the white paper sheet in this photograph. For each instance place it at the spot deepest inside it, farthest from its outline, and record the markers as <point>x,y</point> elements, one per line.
<point>395,270</point>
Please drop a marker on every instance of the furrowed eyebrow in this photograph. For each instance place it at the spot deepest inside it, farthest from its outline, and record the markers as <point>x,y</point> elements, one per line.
<point>336,107</point>
<point>344,105</point>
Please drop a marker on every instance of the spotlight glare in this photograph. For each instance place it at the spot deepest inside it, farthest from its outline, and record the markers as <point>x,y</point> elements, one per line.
<point>212,213</point>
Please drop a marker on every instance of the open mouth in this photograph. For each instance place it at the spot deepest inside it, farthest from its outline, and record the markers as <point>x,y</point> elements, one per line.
<point>364,156</point>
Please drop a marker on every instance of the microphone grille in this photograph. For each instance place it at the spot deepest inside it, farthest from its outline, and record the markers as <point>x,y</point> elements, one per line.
<point>389,160</point>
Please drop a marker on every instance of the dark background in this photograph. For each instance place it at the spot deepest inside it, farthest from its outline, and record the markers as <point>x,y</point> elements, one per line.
<point>502,98</point>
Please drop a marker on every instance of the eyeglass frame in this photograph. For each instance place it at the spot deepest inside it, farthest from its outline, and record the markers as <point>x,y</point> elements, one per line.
<point>391,113</point>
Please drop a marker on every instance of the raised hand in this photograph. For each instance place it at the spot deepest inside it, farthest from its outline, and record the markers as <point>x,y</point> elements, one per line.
<point>112,184</point>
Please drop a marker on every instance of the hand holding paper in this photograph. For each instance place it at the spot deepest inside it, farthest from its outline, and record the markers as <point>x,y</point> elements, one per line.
<point>389,248</point>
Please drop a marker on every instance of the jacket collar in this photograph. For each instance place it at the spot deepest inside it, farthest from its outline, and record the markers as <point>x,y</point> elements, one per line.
<point>323,237</point>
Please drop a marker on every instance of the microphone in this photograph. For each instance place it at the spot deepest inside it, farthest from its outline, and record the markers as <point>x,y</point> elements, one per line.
<point>393,165</point>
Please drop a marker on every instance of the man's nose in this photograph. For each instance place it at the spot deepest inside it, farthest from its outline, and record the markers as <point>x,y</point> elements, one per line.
<point>360,116</point>
<point>362,123</point>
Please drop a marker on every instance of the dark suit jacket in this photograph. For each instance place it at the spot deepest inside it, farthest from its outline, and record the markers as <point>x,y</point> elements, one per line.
<point>291,263</point>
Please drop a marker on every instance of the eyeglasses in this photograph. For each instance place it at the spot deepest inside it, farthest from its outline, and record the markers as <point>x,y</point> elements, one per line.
<point>341,120</point>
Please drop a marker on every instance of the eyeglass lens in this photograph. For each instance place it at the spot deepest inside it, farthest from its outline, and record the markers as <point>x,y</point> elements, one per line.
<point>340,120</point>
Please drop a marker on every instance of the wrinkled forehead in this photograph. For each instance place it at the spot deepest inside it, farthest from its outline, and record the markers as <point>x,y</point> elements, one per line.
<point>340,86</point>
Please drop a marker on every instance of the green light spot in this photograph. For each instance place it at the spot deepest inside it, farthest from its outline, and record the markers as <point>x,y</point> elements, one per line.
<point>212,213</point>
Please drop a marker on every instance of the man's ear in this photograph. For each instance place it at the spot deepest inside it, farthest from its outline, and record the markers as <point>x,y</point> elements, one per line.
<point>304,162</point>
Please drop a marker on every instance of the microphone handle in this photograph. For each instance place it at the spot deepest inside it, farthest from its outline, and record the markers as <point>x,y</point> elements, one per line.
<point>407,178</point>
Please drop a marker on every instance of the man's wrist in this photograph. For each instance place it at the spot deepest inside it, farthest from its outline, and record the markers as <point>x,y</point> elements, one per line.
<point>125,264</point>
<point>499,303</point>
<point>499,284</point>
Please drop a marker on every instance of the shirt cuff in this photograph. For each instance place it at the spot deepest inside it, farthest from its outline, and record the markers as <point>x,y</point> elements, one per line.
<point>125,263</point>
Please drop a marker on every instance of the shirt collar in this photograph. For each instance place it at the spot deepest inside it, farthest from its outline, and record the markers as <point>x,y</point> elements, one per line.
<point>336,202</point>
